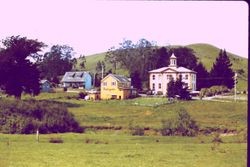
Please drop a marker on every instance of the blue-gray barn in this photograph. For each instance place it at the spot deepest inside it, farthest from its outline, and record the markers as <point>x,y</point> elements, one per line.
<point>77,79</point>
<point>45,86</point>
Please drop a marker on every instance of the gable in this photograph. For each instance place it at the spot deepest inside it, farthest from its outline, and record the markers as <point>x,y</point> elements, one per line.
<point>169,70</point>
<point>118,78</point>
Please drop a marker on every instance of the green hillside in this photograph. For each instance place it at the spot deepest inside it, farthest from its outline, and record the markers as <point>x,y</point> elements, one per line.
<point>205,53</point>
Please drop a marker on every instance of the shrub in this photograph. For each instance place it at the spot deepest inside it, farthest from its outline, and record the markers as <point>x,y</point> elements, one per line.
<point>82,95</point>
<point>56,140</point>
<point>25,117</point>
<point>150,92</point>
<point>65,89</point>
<point>159,93</point>
<point>217,138</point>
<point>182,125</point>
<point>215,90</point>
<point>137,131</point>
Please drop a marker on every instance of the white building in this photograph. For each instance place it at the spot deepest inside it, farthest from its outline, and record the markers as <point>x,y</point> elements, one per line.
<point>159,78</point>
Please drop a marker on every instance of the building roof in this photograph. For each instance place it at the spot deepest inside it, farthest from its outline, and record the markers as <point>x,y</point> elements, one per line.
<point>44,81</point>
<point>176,69</point>
<point>173,56</point>
<point>75,76</point>
<point>119,78</point>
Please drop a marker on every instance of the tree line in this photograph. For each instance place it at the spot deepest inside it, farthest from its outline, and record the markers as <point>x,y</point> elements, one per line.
<point>22,64</point>
<point>140,57</point>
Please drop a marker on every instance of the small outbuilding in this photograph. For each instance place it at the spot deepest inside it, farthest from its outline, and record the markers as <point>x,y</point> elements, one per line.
<point>45,86</point>
<point>94,95</point>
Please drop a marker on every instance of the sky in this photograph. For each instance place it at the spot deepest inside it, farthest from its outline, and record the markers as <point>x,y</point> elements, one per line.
<point>95,26</point>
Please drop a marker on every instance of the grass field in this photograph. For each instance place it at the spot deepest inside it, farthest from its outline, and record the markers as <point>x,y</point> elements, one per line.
<point>117,147</point>
<point>108,150</point>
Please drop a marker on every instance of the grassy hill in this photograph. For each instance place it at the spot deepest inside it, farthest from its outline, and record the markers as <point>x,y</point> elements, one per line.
<point>205,53</point>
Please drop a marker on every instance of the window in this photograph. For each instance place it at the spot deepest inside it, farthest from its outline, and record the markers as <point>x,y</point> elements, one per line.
<point>104,83</point>
<point>113,83</point>
<point>153,86</point>
<point>159,86</point>
<point>153,77</point>
<point>180,77</point>
<point>169,77</point>
<point>186,76</point>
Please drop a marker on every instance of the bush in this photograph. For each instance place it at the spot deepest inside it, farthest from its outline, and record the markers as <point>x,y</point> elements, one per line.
<point>182,125</point>
<point>82,95</point>
<point>159,93</point>
<point>217,138</point>
<point>150,92</point>
<point>137,131</point>
<point>25,117</point>
<point>65,89</point>
<point>55,140</point>
<point>214,90</point>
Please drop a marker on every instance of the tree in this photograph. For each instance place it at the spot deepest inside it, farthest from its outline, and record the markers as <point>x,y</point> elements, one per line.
<point>185,57</point>
<point>202,76</point>
<point>111,56</point>
<point>56,62</point>
<point>178,88</point>
<point>83,61</point>
<point>136,80</point>
<point>171,91</point>
<point>100,71</point>
<point>74,64</point>
<point>18,73</point>
<point>221,72</point>
<point>161,57</point>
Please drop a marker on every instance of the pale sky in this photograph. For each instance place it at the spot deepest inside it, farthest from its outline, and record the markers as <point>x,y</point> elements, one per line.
<point>95,26</point>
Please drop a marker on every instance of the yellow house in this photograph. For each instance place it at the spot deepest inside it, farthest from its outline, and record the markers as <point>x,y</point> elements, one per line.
<point>115,87</point>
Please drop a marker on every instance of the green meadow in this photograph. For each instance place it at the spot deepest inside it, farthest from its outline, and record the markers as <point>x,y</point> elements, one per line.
<point>107,140</point>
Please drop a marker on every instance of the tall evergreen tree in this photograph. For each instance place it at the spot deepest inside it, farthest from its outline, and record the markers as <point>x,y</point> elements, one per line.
<point>136,80</point>
<point>221,72</point>
<point>202,76</point>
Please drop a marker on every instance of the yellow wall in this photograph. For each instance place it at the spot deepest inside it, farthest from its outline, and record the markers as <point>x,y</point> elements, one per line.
<point>112,90</point>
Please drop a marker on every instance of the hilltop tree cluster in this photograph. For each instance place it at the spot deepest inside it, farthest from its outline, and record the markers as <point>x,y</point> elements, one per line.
<point>143,56</point>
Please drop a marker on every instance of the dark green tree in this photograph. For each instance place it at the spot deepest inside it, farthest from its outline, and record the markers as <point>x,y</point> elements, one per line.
<point>56,62</point>
<point>202,76</point>
<point>100,72</point>
<point>136,80</point>
<point>221,72</point>
<point>178,88</point>
<point>17,72</point>
<point>74,64</point>
<point>185,57</point>
<point>161,57</point>
<point>171,91</point>
<point>83,61</point>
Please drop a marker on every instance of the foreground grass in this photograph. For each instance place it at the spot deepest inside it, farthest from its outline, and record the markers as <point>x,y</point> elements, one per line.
<point>113,149</point>
<point>118,148</point>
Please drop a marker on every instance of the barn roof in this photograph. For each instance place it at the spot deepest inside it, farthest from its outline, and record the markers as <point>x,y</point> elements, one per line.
<point>75,76</point>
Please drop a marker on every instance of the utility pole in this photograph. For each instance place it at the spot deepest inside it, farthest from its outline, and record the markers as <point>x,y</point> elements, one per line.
<point>102,71</point>
<point>235,82</point>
